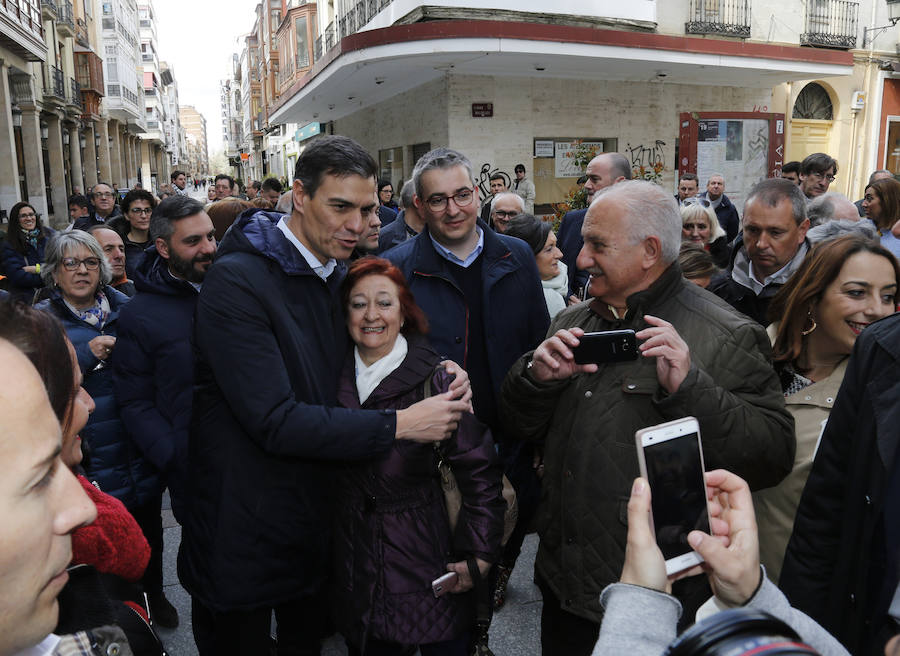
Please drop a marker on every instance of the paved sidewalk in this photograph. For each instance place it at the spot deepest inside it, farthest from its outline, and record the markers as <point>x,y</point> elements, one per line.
<point>514,631</point>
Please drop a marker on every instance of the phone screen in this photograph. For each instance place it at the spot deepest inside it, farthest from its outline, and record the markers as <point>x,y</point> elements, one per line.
<point>678,492</point>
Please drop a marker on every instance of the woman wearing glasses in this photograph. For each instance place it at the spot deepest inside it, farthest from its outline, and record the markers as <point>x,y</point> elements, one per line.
<point>134,227</point>
<point>23,251</point>
<point>700,226</point>
<point>88,307</point>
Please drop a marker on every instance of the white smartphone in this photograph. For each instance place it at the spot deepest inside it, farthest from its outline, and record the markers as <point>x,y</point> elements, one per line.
<point>671,459</point>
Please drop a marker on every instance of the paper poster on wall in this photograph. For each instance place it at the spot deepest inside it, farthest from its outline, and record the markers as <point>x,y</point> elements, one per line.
<point>736,150</point>
<point>565,163</point>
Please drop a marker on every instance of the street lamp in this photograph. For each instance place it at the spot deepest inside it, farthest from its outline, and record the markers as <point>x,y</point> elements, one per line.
<point>45,132</point>
<point>893,7</point>
<point>17,117</point>
<point>82,141</point>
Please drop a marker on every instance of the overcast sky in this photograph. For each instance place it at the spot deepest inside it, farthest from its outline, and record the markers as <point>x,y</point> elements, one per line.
<point>197,39</point>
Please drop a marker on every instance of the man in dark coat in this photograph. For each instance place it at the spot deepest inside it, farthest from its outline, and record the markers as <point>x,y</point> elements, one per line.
<point>270,337</point>
<point>408,224</point>
<point>603,171</point>
<point>771,247</point>
<point>480,290</point>
<point>154,371</point>
<point>697,357</point>
<point>841,565</point>
<point>104,208</point>
<point>725,210</point>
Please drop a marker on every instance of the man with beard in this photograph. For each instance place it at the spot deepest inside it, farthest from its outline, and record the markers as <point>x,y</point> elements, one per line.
<point>154,365</point>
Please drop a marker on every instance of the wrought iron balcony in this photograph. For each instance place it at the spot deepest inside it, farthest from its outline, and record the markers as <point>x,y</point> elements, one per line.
<point>54,83</point>
<point>831,24</point>
<point>26,13</point>
<point>721,17</point>
<point>81,33</point>
<point>65,21</point>
<point>48,9</point>
<point>20,89</point>
<point>75,94</point>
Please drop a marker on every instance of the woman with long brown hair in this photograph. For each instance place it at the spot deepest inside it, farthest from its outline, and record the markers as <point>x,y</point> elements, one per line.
<point>882,205</point>
<point>842,286</point>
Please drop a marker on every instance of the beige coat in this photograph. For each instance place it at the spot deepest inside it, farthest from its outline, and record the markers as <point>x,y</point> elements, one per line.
<point>777,506</point>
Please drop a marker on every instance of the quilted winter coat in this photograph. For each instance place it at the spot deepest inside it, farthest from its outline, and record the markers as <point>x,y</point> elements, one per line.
<point>391,533</point>
<point>113,461</point>
<point>588,423</point>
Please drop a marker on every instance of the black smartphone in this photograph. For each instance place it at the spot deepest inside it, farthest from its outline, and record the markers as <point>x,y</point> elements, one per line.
<point>606,346</point>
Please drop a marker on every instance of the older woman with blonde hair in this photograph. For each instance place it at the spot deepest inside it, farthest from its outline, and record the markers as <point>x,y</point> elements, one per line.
<point>700,226</point>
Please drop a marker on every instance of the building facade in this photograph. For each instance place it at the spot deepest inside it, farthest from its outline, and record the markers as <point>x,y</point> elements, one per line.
<point>194,125</point>
<point>524,82</point>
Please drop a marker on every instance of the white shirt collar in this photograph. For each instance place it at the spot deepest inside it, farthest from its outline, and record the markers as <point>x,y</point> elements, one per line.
<point>368,378</point>
<point>321,270</point>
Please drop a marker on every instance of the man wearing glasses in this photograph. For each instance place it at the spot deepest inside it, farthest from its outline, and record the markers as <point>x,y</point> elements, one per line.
<point>817,172</point>
<point>104,209</point>
<point>479,289</point>
<point>504,207</point>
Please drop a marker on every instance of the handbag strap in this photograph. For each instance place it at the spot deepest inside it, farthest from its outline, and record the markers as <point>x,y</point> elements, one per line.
<point>483,612</point>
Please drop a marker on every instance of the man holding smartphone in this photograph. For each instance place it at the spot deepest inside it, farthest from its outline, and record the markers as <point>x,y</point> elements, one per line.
<point>695,356</point>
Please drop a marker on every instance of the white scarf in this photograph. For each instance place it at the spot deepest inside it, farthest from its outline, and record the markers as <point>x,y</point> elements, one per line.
<point>368,378</point>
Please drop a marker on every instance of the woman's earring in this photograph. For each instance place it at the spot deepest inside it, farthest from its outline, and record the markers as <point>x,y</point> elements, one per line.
<point>812,321</point>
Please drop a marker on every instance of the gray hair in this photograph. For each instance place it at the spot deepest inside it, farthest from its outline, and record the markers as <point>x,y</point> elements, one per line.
<point>650,212</point>
<point>772,191</point>
<point>285,203</point>
<point>407,193</point>
<point>507,194</point>
<point>715,175</point>
<point>693,210</point>
<point>62,245</point>
<point>439,158</point>
<point>840,227</point>
<point>880,173</point>
<point>822,208</point>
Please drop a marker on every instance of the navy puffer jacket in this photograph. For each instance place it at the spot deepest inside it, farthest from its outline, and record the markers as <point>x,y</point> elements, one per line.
<point>113,461</point>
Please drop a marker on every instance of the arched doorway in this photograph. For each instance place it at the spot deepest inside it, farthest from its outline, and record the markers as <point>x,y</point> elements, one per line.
<point>811,121</point>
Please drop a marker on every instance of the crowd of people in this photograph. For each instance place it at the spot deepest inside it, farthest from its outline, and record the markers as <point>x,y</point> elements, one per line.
<point>341,389</point>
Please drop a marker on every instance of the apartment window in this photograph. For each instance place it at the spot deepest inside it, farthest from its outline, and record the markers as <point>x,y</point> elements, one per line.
<point>107,7</point>
<point>302,43</point>
<point>112,69</point>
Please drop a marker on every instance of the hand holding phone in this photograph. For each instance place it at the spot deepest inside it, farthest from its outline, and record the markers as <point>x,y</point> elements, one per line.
<point>606,346</point>
<point>443,584</point>
<point>671,460</point>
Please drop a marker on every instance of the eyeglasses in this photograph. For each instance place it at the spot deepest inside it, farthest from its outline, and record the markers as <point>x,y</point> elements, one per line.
<point>461,198</point>
<point>500,214</point>
<point>141,210</point>
<point>30,215</point>
<point>822,176</point>
<point>696,200</point>
<point>104,194</point>
<point>73,264</point>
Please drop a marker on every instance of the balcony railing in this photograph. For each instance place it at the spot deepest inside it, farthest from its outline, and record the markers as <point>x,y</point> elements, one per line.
<point>54,82</point>
<point>65,16</point>
<point>721,17</point>
<point>48,8</point>
<point>20,89</point>
<point>831,23</point>
<point>75,94</point>
<point>81,33</point>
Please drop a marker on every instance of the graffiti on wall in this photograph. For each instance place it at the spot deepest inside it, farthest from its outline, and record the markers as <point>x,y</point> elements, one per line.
<point>647,162</point>
<point>484,180</point>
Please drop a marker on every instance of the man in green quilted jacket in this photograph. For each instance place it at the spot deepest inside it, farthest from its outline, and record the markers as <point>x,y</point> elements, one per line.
<point>697,357</point>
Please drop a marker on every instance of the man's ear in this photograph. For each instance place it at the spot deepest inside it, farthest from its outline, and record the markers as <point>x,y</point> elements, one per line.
<point>652,251</point>
<point>298,196</point>
<point>162,248</point>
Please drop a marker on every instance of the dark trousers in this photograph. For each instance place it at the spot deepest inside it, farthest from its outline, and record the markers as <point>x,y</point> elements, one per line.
<point>300,628</point>
<point>456,647</point>
<point>149,518</point>
<point>562,632</point>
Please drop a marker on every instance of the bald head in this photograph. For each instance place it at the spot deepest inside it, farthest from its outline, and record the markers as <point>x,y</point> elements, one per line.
<point>604,171</point>
<point>831,205</point>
